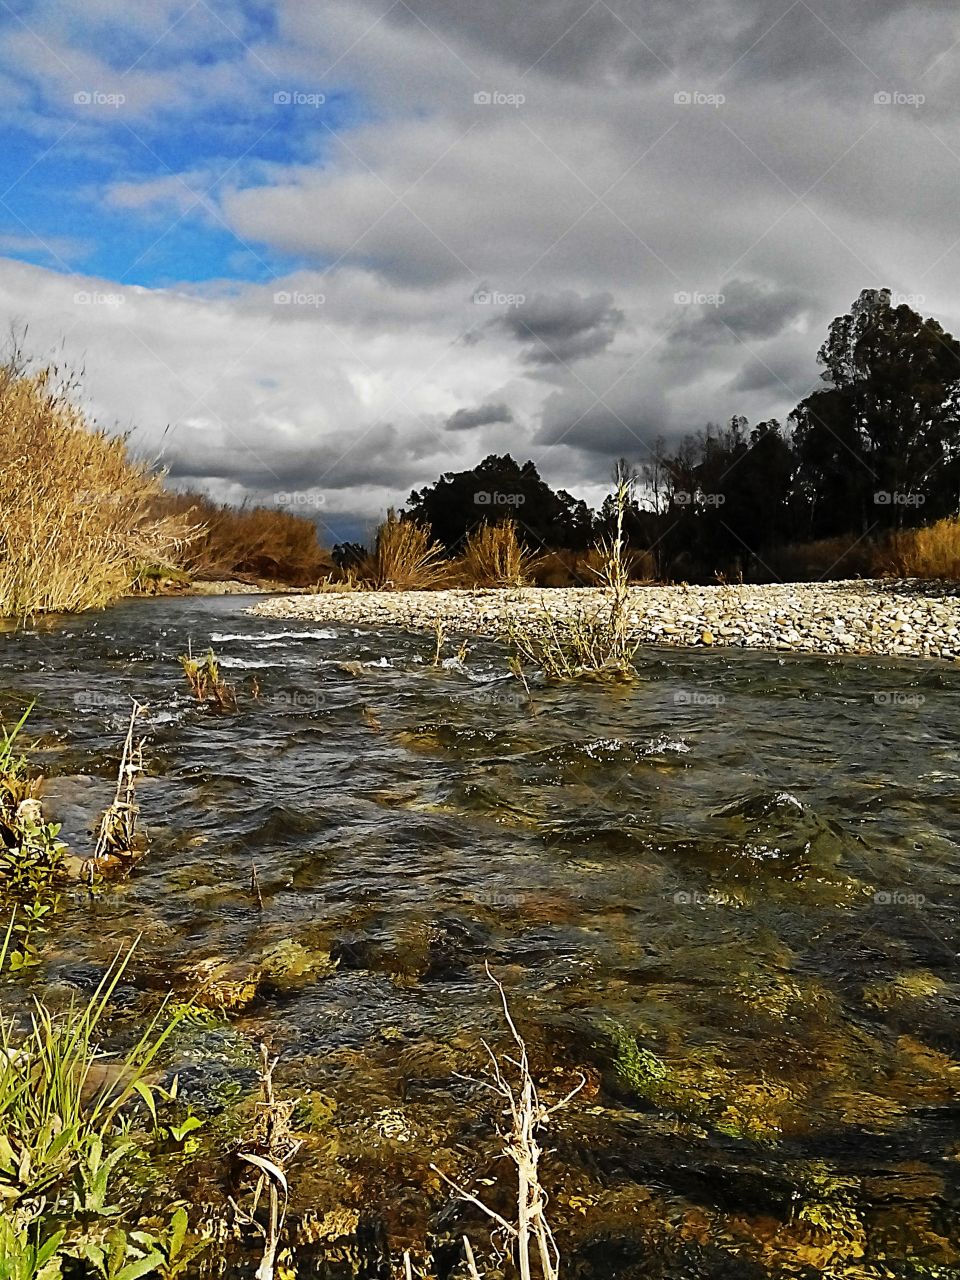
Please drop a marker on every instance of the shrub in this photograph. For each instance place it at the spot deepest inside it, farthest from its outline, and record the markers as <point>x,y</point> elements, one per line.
<point>825,560</point>
<point>555,569</point>
<point>76,518</point>
<point>260,541</point>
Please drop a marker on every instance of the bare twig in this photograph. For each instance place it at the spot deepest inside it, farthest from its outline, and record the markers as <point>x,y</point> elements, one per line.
<point>274,1146</point>
<point>119,822</point>
<point>471,1261</point>
<point>527,1115</point>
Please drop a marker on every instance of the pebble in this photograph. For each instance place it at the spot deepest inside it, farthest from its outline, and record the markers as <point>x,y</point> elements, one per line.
<point>883,616</point>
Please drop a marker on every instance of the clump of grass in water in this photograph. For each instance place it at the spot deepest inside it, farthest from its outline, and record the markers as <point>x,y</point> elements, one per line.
<point>63,1140</point>
<point>440,637</point>
<point>205,681</point>
<point>596,644</point>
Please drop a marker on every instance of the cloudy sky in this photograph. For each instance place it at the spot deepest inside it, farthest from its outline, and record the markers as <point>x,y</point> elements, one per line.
<point>321,252</point>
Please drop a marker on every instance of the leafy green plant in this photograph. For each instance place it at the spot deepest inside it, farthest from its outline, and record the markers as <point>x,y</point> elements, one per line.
<point>14,784</point>
<point>126,1255</point>
<point>31,855</point>
<point>205,681</point>
<point>66,1133</point>
<point>23,1258</point>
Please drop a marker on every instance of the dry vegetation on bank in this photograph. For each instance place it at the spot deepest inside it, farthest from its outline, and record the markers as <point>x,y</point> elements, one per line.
<point>407,559</point>
<point>262,542</point>
<point>77,519</point>
<point>83,523</point>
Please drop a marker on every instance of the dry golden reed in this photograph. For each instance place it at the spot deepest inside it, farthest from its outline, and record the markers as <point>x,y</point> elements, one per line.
<point>405,557</point>
<point>933,552</point>
<point>75,523</point>
<point>266,542</point>
<point>494,557</point>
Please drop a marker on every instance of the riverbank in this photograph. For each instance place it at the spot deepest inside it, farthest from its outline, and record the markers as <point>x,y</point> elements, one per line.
<point>216,587</point>
<point>907,618</point>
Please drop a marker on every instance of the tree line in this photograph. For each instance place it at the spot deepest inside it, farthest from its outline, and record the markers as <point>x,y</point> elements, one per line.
<point>874,450</point>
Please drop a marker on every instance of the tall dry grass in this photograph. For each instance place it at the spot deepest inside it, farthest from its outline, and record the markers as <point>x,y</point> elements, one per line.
<point>405,557</point>
<point>827,559</point>
<point>261,541</point>
<point>75,519</point>
<point>933,552</point>
<point>494,557</point>
<point>595,643</point>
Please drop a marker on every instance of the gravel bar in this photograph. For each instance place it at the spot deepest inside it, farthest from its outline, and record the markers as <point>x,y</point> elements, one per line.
<point>904,618</point>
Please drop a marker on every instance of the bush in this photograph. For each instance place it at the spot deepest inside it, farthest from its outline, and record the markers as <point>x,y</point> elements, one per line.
<point>263,542</point>
<point>77,517</point>
<point>825,560</point>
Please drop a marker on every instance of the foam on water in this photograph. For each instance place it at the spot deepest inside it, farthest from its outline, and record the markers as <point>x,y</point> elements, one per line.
<point>265,638</point>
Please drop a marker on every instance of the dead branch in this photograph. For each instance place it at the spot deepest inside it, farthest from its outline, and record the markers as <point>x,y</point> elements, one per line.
<point>119,822</point>
<point>527,1115</point>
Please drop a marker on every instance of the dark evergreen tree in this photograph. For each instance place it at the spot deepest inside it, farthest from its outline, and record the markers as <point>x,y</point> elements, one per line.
<point>879,445</point>
<point>497,489</point>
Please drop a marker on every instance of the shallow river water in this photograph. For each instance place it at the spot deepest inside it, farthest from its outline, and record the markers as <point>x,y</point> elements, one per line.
<point>726,894</point>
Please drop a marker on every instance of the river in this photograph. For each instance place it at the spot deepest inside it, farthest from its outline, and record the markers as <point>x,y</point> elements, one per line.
<point>726,894</point>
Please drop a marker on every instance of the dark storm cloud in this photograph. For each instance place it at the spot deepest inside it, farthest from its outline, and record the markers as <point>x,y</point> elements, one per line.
<point>625,423</point>
<point>378,457</point>
<point>791,373</point>
<point>738,310</point>
<point>562,327</point>
<point>628,39</point>
<point>484,415</point>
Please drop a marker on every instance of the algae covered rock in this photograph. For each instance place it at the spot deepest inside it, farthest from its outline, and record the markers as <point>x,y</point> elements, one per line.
<point>235,985</point>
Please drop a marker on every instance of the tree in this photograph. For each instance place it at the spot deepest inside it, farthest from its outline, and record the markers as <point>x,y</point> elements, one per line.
<point>719,499</point>
<point>498,489</point>
<point>879,444</point>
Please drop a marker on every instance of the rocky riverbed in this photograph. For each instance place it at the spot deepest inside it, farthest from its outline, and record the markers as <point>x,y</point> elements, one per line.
<point>906,618</point>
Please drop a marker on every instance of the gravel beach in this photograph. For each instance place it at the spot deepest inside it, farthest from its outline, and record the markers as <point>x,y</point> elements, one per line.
<point>905,618</point>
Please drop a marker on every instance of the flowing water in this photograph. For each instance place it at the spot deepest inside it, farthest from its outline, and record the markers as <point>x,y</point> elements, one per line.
<point>726,895</point>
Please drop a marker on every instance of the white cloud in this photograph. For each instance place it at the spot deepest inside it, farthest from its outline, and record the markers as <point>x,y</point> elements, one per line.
<point>786,199</point>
